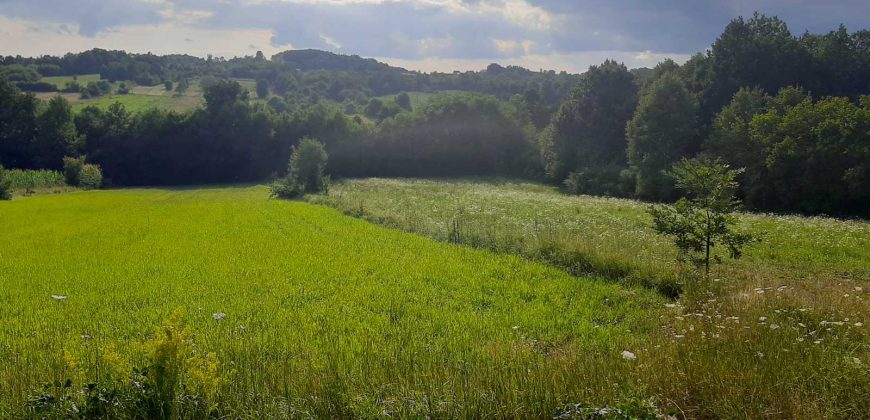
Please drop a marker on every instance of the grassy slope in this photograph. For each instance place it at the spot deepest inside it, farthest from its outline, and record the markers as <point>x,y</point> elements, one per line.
<point>418,99</point>
<point>325,314</point>
<point>142,98</point>
<point>781,333</point>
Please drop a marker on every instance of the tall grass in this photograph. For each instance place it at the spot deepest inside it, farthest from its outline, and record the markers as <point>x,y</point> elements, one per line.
<point>780,333</point>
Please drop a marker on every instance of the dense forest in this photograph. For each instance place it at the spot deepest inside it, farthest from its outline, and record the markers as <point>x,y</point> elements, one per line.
<point>789,109</point>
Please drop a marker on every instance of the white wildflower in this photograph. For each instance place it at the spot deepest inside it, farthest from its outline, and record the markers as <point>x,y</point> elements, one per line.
<point>627,355</point>
<point>218,316</point>
<point>774,326</point>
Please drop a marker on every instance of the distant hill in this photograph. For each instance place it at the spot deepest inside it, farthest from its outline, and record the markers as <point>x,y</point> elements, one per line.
<point>310,60</point>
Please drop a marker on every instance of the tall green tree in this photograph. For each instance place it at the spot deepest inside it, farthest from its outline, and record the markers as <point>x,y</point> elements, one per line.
<point>588,130</point>
<point>56,134</point>
<point>818,154</point>
<point>731,139</point>
<point>759,51</point>
<point>17,126</point>
<point>662,131</point>
<point>262,88</point>
<point>404,101</point>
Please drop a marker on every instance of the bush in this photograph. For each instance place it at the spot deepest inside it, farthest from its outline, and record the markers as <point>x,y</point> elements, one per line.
<point>167,85</point>
<point>5,185</point>
<point>306,170</point>
<point>123,89</point>
<point>91,177</point>
<point>72,170</point>
<point>72,87</point>
<point>182,86</point>
<point>77,173</point>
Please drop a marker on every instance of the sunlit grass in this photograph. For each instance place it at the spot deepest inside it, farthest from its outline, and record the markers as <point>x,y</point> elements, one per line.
<point>324,315</point>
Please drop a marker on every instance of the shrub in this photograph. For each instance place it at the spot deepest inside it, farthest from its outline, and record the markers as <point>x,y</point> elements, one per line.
<point>306,170</point>
<point>167,85</point>
<point>5,185</point>
<point>77,173</point>
<point>72,170</point>
<point>182,85</point>
<point>72,87</point>
<point>91,177</point>
<point>123,89</point>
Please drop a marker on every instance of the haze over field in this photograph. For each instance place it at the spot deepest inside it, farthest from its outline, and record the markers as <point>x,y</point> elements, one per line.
<point>427,35</point>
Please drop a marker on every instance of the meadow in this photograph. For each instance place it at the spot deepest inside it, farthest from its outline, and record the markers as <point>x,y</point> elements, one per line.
<point>293,309</point>
<point>418,99</point>
<point>61,81</point>
<point>139,99</point>
<point>778,333</point>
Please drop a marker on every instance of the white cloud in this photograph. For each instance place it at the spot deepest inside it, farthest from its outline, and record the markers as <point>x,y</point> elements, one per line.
<point>330,41</point>
<point>30,38</point>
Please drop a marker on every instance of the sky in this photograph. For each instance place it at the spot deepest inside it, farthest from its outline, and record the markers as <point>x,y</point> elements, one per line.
<point>425,35</point>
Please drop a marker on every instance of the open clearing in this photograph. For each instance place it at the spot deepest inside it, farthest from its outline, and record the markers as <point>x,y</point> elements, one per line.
<point>325,315</point>
<point>61,81</point>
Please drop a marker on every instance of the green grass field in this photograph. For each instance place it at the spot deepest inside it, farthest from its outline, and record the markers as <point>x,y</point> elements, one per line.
<point>779,333</point>
<point>61,81</point>
<point>418,99</point>
<point>325,315</point>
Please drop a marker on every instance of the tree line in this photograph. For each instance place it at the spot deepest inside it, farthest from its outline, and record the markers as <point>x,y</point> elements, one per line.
<point>790,110</point>
<point>787,109</point>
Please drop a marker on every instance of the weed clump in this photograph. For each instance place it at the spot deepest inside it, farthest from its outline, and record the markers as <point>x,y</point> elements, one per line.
<point>176,380</point>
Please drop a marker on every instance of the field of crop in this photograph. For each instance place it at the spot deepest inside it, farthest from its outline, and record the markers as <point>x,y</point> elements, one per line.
<point>779,333</point>
<point>293,309</point>
<point>24,182</point>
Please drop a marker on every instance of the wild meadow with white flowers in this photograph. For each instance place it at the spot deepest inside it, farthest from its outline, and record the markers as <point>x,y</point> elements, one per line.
<point>778,333</point>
